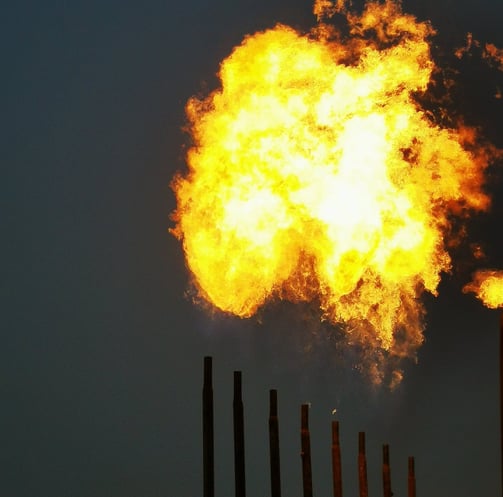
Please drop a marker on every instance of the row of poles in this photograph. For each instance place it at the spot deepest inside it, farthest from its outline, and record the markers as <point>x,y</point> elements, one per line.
<point>239,448</point>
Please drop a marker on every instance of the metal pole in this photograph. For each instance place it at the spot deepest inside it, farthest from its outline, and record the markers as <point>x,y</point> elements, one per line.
<point>362,466</point>
<point>336,460</point>
<point>208,444</point>
<point>274,444</point>
<point>411,478</point>
<point>386,472</point>
<point>239,438</point>
<point>306,451</point>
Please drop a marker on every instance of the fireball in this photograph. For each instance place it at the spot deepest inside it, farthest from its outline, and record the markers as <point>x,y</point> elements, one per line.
<point>315,175</point>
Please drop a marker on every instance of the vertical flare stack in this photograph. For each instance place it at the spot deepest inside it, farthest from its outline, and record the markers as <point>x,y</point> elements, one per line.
<point>336,460</point>
<point>307,479</point>
<point>411,479</point>
<point>239,438</point>
<point>208,443</point>
<point>362,466</point>
<point>386,472</point>
<point>274,444</point>
<point>239,444</point>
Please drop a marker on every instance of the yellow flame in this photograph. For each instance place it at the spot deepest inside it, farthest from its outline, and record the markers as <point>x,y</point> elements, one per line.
<point>487,285</point>
<point>314,174</point>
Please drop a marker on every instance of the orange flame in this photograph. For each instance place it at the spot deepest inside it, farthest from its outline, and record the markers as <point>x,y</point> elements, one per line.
<point>326,8</point>
<point>315,175</point>
<point>490,52</point>
<point>487,285</point>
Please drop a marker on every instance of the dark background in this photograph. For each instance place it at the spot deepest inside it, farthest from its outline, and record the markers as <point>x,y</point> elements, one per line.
<point>102,352</point>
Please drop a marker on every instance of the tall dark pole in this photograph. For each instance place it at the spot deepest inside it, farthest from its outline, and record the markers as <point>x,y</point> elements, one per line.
<point>274,444</point>
<point>362,466</point>
<point>239,438</point>
<point>411,479</point>
<point>386,472</point>
<point>336,460</point>
<point>307,479</point>
<point>208,445</point>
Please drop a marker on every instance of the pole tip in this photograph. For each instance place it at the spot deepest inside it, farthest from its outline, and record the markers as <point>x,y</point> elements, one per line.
<point>273,402</point>
<point>361,441</point>
<point>237,384</point>
<point>207,370</point>
<point>385,453</point>
<point>304,412</point>
<point>335,432</point>
<point>411,466</point>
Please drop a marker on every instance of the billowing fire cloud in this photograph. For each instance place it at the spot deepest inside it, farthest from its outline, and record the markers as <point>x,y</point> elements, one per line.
<point>315,175</point>
<point>487,284</point>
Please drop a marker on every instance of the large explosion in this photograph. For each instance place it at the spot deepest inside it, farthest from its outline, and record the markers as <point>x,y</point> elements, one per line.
<point>316,175</point>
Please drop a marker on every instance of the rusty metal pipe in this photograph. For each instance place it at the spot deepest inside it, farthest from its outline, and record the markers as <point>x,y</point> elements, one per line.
<point>362,466</point>
<point>386,472</point>
<point>411,480</point>
<point>336,460</point>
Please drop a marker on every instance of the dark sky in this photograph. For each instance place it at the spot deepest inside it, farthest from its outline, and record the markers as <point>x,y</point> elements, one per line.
<point>102,352</point>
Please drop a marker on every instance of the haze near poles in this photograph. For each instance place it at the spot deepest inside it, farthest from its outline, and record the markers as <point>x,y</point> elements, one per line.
<point>315,175</point>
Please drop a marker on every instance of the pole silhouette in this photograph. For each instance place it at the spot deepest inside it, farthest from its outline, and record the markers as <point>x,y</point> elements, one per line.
<point>362,466</point>
<point>307,478</point>
<point>208,441</point>
<point>239,438</point>
<point>274,444</point>
<point>336,460</point>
